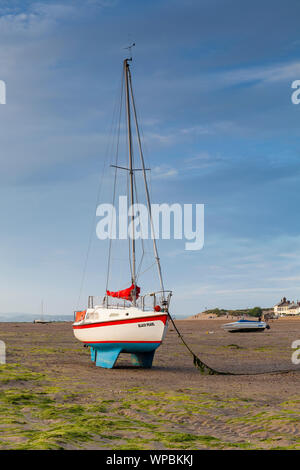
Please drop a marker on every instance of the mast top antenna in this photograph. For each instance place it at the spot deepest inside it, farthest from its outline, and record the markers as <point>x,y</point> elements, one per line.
<point>130,50</point>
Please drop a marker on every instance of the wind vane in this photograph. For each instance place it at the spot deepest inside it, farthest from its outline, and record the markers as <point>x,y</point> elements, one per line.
<point>129,48</point>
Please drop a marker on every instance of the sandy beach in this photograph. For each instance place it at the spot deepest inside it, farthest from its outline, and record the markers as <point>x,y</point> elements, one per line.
<point>52,395</point>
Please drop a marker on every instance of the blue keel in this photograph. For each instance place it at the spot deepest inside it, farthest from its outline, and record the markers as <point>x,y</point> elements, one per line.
<point>106,355</point>
<point>107,358</point>
<point>93,354</point>
<point>143,359</point>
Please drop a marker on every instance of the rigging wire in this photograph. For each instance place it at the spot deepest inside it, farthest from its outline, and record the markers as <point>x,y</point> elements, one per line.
<point>148,254</point>
<point>115,181</point>
<point>142,241</point>
<point>147,269</point>
<point>146,187</point>
<point>98,194</point>
<point>129,244</point>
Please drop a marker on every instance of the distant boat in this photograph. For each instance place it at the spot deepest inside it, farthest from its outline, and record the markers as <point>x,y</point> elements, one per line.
<point>245,326</point>
<point>41,320</point>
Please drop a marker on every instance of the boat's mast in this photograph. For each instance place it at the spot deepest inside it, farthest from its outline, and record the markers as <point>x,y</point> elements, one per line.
<point>133,274</point>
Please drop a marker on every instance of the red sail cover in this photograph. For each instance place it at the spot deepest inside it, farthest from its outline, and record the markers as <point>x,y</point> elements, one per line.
<point>125,293</point>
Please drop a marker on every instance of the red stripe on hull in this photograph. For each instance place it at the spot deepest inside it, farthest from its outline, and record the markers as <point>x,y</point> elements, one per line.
<point>162,318</point>
<point>136,342</point>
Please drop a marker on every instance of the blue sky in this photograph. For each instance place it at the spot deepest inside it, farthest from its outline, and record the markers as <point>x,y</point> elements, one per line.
<point>213,86</point>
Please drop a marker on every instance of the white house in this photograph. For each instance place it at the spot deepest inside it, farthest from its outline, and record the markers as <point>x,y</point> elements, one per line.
<point>286,307</point>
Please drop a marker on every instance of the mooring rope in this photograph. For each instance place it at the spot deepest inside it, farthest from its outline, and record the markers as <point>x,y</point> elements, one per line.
<point>203,368</point>
<point>207,370</point>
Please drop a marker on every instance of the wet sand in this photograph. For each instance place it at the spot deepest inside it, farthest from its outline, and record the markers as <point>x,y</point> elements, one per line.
<point>169,406</point>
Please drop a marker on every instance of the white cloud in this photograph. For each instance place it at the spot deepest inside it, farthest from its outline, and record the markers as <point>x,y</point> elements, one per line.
<point>272,73</point>
<point>163,172</point>
<point>285,279</point>
<point>201,160</point>
<point>37,19</point>
<point>41,17</point>
<point>198,130</point>
<point>212,128</point>
<point>165,139</point>
<point>220,79</point>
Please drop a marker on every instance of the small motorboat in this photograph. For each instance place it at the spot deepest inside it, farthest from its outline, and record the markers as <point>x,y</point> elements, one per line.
<point>245,326</point>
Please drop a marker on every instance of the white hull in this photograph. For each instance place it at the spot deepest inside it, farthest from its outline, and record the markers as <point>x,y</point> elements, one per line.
<point>132,325</point>
<point>244,325</point>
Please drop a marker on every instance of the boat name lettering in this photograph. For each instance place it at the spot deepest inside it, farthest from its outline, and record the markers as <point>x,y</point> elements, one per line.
<point>140,325</point>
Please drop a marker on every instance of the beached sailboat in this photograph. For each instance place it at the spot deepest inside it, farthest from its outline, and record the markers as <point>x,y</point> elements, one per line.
<point>130,325</point>
<point>41,319</point>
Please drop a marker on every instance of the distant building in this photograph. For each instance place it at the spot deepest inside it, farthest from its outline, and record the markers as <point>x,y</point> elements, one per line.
<point>286,307</point>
